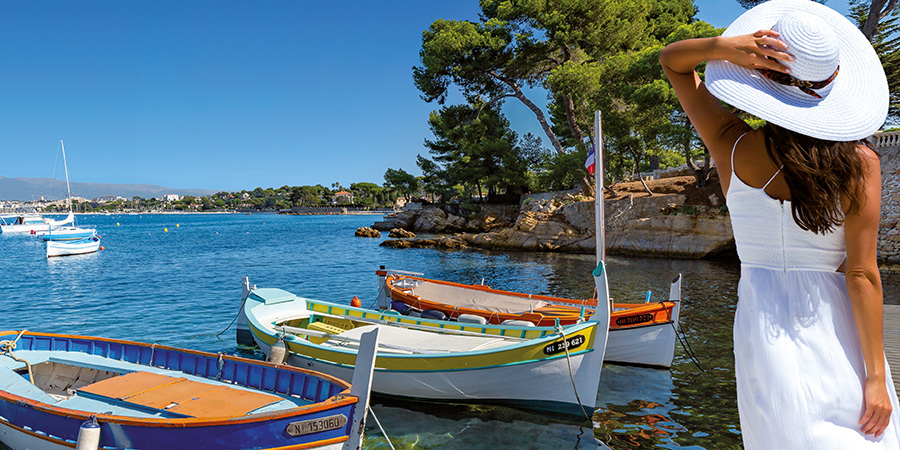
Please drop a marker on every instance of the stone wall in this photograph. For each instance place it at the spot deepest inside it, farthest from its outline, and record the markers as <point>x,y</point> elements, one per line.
<point>889,233</point>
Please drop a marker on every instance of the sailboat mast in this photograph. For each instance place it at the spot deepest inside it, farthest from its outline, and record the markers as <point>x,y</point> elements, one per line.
<point>599,211</point>
<point>66,167</point>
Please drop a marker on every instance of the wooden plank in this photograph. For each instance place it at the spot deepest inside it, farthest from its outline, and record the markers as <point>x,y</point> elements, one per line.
<point>128,385</point>
<point>892,341</point>
<point>180,395</point>
<point>228,402</point>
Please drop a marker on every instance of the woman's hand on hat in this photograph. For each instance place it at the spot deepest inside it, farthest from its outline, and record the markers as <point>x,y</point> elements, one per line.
<point>760,50</point>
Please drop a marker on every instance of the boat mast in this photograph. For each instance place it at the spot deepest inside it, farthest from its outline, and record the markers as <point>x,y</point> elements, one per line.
<point>599,212</point>
<point>66,167</point>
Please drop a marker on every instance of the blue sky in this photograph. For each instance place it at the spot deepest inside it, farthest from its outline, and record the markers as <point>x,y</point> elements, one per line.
<point>224,95</point>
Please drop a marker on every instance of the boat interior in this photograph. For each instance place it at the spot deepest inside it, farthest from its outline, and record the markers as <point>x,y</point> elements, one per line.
<point>89,383</point>
<point>332,330</point>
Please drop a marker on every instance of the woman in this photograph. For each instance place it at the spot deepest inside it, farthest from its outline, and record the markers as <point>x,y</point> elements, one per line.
<point>804,194</point>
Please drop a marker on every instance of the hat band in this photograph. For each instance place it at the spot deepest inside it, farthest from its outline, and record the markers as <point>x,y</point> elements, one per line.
<point>805,86</point>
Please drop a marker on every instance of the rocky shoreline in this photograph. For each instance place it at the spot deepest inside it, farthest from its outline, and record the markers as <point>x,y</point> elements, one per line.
<point>659,225</point>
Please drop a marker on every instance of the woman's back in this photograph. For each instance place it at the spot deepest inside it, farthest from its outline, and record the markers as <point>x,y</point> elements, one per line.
<point>765,232</point>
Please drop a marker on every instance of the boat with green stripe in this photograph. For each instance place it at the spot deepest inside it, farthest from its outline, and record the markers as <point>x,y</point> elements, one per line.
<point>553,370</point>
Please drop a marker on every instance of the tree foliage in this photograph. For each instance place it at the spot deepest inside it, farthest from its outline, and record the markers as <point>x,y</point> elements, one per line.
<point>402,181</point>
<point>527,43</point>
<point>475,148</point>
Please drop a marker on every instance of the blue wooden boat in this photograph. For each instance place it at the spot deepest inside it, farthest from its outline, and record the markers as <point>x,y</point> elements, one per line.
<point>58,391</point>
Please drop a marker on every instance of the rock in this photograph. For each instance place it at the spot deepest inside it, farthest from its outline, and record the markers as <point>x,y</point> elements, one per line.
<point>431,220</point>
<point>406,219</point>
<point>401,233</point>
<point>368,232</point>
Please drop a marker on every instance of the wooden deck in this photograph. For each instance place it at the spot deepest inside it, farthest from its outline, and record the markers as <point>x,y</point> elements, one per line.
<point>892,341</point>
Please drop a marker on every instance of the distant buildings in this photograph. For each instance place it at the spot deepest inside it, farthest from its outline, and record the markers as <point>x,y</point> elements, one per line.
<point>107,199</point>
<point>342,198</point>
<point>170,198</point>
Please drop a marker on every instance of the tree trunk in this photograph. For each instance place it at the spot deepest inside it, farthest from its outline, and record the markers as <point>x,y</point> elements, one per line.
<point>877,11</point>
<point>542,119</point>
<point>570,117</point>
<point>636,169</point>
<point>700,175</point>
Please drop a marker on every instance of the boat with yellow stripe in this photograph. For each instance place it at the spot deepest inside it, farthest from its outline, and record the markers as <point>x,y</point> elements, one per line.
<point>551,369</point>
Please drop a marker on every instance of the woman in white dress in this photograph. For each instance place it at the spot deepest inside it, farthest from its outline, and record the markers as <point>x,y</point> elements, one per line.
<point>804,194</point>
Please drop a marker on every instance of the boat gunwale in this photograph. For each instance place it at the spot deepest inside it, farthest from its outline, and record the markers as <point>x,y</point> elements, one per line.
<point>343,398</point>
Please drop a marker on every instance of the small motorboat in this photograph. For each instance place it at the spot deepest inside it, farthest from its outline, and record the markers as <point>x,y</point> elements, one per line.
<point>61,392</point>
<point>639,333</point>
<point>73,247</point>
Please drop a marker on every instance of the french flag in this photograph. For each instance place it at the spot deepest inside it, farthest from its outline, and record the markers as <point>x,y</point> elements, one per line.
<point>589,163</point>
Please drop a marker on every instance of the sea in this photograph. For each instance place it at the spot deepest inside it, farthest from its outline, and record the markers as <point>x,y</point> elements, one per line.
<point>175,279</point>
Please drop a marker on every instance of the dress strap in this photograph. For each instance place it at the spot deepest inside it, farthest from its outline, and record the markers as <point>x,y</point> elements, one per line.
<point>773,176</point>
<point>734,148</point>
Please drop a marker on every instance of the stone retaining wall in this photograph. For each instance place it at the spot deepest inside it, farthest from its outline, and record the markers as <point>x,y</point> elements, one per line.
<point>889,233</point>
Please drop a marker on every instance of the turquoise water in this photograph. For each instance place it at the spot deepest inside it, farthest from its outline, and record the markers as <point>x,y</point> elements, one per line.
<point>181,287</point>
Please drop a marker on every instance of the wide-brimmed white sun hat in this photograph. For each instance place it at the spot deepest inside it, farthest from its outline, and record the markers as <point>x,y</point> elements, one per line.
<point>836,90</point>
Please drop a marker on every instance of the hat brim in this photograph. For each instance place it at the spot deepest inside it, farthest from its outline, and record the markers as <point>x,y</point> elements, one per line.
<point>856,103</point>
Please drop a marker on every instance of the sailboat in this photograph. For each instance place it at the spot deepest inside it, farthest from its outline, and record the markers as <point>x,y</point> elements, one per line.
<point>63,241</point>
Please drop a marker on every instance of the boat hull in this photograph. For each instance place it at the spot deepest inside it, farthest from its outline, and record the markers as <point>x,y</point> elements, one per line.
<point>524,374</point>
<point>651,345</point>
<point>75,247</point>
<point>640,334</point>
<point>538,385</point>
<point>32,419</point>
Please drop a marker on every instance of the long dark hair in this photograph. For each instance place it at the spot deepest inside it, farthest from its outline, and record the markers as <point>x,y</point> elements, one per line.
<point>818,173</point>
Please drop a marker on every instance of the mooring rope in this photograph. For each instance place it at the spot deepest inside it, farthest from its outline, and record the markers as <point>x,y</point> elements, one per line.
<point>687,347</point>
<point>559,329</point>
<point>7,346</point>
<point>372,411</point>
<point>241,308</point>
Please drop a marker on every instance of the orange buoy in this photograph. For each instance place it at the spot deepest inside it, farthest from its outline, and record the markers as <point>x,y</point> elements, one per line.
<point>101,248</point>
<point>355,302</point>
<point>32,231</point>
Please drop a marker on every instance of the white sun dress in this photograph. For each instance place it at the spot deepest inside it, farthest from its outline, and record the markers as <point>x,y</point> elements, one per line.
<point>798,361</point>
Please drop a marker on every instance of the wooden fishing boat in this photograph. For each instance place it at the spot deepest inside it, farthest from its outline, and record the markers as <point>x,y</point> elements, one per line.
<point>58,391</point>
<point>73,247</point>
<point>552,370</point>
<point>639,333</point>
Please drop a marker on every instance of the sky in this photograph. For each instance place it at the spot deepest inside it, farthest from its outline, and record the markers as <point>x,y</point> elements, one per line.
<point>226,95</point>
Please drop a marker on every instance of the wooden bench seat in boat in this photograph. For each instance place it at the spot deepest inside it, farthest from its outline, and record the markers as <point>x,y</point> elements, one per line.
<point>403,340</point>
<point>178,395</point>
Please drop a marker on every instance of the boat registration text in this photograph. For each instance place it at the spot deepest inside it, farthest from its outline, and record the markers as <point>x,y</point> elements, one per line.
<point>304,427</point>
<point>561,346</point>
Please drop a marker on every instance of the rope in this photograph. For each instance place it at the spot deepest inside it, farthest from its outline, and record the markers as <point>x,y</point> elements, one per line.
<point>372,412</point>
<point>687,347</point>
<point>152,353</point>
<point>559,329</point>
<point>8,346</point>
<point>235,317</point>
<point>380,290</point>
<point>221,365</point>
